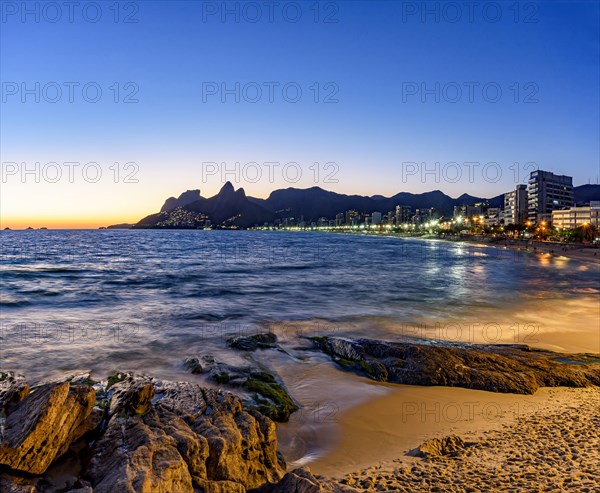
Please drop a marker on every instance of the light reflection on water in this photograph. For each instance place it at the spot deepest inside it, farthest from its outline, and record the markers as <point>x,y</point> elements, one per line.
<point>144,299</point>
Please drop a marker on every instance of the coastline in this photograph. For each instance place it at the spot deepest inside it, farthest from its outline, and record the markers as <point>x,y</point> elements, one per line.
<point>556,250</point>
<point>379,424</point>
<point>381,432</point>
<point>549,441</point>
<point>349,424</point>
<point>560,251</point>
<point>504,439</point>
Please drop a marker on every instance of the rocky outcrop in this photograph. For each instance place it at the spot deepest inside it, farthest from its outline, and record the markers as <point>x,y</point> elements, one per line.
<point>164,436</point>
<point>262,390</point>
<point>265,340</point>
<point>437,447</point>
<point>185,198</point>
<point>302,481</point>
<point>136,434</point>
<point>497,368</point>
<point>229,208</point>
<point>43,425</point>
<point>193,365</point>
<point>13,388</point>
<point>132,396</point>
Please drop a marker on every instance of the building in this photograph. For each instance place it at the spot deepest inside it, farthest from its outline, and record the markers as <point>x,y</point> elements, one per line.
<point>433,213</point>
<point>352,217</point>
<point>547,192</point>
<point>468,211</point>
<point>577,216</point>
<point>515,206</point>
<point>403,214</point>
<point>492,216</point>
<point>390,218</point>
<point>417,217</point>
<point>376,218</point>
<point>339,219</point>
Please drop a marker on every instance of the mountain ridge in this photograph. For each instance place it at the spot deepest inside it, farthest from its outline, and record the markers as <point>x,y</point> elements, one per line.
<point>233,208</point>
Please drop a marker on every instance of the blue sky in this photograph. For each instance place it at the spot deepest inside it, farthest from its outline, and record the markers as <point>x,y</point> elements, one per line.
<point>369,57</point>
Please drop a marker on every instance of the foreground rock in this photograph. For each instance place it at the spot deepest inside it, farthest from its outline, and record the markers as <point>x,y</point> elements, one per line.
<point>165,436</point>
<point>302,481</point>
<point>497,368</point>
<point>266,394</point>
<point>138,434</point>
<point>43,425</point>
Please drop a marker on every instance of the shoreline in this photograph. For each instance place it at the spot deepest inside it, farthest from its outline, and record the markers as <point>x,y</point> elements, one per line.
<point>369,445</point>
<point>557,250</point>
<point>568,251</point>
<point>380,432</point>
<point>383,431</point>
<point>553,441</point>
<point>377,424</point>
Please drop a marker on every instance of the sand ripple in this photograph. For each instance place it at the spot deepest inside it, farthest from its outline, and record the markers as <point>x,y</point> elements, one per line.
<point>555,449</point>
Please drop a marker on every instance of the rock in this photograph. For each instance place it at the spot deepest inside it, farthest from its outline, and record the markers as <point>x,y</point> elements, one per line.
<point>14,484</point>
<point>271,398</point>
<point>134,457</point>
<point>436,447</point>
<point>496,368</point>
<point>298,481</point>
<point>79,487</point>
<point>91,423</point>
<point>43,425</point>
<point>132,395</point>
<point>156,436</point>
<point>193,365</point>
<point>190,438</point>
<point>302,481</point>
<point>221,487</point>
<point>268,396</point>
<point>266,340</point>
<point>13,389</point>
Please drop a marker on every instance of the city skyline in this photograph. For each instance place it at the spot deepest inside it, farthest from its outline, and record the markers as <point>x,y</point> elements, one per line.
<point>39,222</point>
<point>519,88</point>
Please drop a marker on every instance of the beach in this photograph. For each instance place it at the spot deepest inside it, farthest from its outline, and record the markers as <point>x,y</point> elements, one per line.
<point>553,444</point>
<point>347,427</point>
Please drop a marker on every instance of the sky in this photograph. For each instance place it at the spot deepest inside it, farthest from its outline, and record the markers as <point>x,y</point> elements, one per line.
<point>108,108</point>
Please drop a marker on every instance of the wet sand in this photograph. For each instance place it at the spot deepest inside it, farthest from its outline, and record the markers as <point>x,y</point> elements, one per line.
<point>580,253</point>
<point>382,431</point>
<point>549,441</point>
<point>554,445</point>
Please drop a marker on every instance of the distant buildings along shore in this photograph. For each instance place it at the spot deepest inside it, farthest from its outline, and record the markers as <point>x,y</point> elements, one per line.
<point>546,200</point>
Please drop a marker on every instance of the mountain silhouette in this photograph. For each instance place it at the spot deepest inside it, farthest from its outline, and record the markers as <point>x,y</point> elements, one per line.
<point>586,193</point>
<point>184,199</point>
<point>232,208</point>
<point>229,207</point>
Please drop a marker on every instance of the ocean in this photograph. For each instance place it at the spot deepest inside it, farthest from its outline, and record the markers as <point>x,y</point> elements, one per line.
<point>106,299</point>
<point>144,300</point>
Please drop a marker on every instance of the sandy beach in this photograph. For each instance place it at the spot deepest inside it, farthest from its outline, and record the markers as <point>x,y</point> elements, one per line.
<point>546,442</point>
<point>560,251</point>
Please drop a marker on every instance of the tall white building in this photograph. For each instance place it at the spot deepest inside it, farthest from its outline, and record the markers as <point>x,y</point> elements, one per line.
<point>515,205</point>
